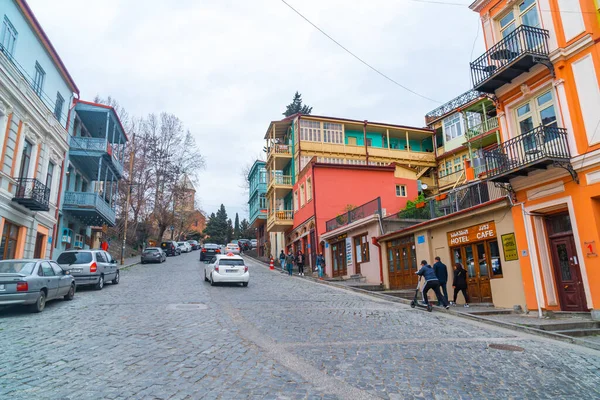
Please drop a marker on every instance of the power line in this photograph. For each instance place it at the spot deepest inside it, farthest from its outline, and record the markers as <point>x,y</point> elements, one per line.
<point>357,57</point>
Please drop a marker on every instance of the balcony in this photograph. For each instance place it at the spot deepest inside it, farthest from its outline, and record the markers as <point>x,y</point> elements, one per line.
<point>486,127</point>
<point>279,182</point>
<point>514,55</point>
<point>32,194</point>
<point>90,208</point>
<point>533,150</point>
<point>280,220</point>
<point>87,150</point>
<point>453,179</point>
<point>281,154</point>
<point>452,105</point>
<point>371,208</point>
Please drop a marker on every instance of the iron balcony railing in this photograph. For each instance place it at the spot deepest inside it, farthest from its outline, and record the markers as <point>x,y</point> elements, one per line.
<point>486,126</point>
<point>540,144</point>
<point>450,202</point>
<point>525,40</point>
<point>371,208</point>
<point>32,194</point>
<point>89,200</point>
<point>452,105</point>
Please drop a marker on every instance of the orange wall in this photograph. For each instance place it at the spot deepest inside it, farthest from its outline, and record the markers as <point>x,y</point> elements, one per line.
<point>335,188</point>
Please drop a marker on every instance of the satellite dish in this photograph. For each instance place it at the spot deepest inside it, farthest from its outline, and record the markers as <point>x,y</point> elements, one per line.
<point>424,186</point>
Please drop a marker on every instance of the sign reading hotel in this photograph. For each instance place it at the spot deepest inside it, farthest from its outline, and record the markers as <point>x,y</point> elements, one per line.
<point>509,244</point>
<point>475,233</point>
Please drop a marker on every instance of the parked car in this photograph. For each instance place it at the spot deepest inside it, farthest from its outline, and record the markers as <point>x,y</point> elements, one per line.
<point>90,267</point>
<point>153,254</point>
<point>228,268</point>
<point>170,248</point>
<point>34,282</point>
<point>195,245</point>
<point>232,248</point>
<point>244,244</point>
<point>209,250</point>
<point>184,246</point>
<point>253,243</point>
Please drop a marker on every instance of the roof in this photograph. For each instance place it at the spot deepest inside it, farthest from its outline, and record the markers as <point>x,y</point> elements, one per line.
<point>26,10</point>
<point>111,108</point>
<point>256,165</point>
<point>187,183</point>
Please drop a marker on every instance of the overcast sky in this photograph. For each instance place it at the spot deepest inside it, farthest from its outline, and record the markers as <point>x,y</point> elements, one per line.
<point>227,68</point>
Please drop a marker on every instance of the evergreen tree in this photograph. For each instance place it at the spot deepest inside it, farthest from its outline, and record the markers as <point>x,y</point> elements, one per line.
<point>296,106</point>
<point>229,231</point>
<point>218,227</point>
<point>245,229</point>
<point>236,227</point>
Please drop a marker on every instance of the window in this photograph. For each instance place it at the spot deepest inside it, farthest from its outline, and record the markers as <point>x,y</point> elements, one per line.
<point>538,111</point>
<point>457,164</point>
<point>352,141</point>
<point>8,241</point>
<point>302,195</point>
<point>296,207</point>
<point>49,175</point>
<point>309,189</point>
<point>333,133</point>
<point>25,160</point>
<point>40,77</point>
<point>58,106</point>
<point>262,201</point>
<point>369,142</point>
<point>57,269</point>
<point>453,127</point>
<point>310,130</point>
<point>47,269</point>
<point>524,13</point>
<point>9,37</point>
<point>100,257</point>
<point>401,190</point>
<point>361,248</point>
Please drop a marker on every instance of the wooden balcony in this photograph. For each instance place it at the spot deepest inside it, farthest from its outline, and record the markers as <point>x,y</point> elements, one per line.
<point>280,220</point>
<point>514,55</point>
<point>280,183</point>
<point>89,208</point>
<point>533,150</point>
<point>487,127</point>
<point>87,150</point>
<point>280,155</point>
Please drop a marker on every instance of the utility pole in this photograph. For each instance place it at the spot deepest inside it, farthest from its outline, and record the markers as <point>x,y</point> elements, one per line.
<point>131,157</point>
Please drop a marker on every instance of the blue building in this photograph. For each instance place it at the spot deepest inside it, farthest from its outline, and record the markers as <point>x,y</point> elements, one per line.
<point>257,203</point>
<point>94,167</point>
<point>35,93</point>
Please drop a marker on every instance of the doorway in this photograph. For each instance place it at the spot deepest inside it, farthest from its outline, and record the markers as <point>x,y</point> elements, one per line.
<point>402,263</point>
<point>477,258</point>
<point>338,256</point>
<point>565,263</point>
<point>39,245</point>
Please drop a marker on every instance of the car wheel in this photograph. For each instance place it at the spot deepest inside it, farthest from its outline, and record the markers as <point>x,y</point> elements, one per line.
<point>245,284</point>
<point>212,283</point>
<point>69,296</point>
<point>143,262</point>
<point>117,278</point>
<point>40,303</point>
<point>205,278</point>
<point>100,284</point>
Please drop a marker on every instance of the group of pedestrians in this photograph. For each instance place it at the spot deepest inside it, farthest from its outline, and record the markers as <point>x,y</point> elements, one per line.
<point>287,262</point>
<point>436,279</point>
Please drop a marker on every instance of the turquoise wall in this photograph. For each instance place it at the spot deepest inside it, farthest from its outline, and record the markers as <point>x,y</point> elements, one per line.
<point>379,140</point>
<point>28,50</point>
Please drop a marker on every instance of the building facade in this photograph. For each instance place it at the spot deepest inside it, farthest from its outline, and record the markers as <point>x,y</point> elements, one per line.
<point>257,207</point>
<point>35,93</point>
<point>542,67</point>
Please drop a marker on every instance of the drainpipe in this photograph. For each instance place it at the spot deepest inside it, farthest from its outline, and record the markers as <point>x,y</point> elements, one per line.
<point>536,284</point>
<point>365,140</point>
<point>376,243</point>
<point>60,183</point>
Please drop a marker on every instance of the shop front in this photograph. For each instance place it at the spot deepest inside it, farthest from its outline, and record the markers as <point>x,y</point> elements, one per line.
<point>402,263</point>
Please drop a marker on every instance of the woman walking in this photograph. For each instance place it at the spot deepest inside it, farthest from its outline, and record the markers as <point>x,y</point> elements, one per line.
<point>460,283</point>
<point>289,262</point>
<point>320,264</point>
<point>300,263</point>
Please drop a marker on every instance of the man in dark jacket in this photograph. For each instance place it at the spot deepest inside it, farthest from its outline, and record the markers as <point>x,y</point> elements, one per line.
<point>442,274</point>
<point>431,282</point>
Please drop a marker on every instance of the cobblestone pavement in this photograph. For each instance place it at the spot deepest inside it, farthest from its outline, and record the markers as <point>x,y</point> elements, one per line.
<point>163,333</point>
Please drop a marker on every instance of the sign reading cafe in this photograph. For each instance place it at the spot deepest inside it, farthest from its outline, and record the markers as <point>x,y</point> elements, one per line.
<point>472,234</point>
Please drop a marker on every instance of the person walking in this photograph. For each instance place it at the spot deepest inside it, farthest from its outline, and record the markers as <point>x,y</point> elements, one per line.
<point>300,263</point>
<point>289,262</point>
<point>460,283</point>
<point>282,260</point>
<point>441,272</point>
<point>320,264</point>
<point>431,282</point>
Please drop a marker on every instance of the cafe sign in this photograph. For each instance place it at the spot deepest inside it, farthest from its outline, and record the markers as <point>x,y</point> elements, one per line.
<point>475,233</point>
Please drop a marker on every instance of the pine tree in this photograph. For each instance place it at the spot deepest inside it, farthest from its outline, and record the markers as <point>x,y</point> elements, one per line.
<point>229,231</point>
<point>236,227</point>
<point>296,106</point>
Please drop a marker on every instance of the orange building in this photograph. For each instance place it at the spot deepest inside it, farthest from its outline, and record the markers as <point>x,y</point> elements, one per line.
<point>542,68</point>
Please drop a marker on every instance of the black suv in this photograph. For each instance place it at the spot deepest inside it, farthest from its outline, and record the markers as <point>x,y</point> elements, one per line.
<point>170,248</point>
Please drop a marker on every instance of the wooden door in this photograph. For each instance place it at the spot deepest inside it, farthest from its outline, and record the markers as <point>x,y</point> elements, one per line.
<point>394,268</point>
<point>568,274</point>
<point>475,258</point>
<point>402,266</point>
<point>483,270</point>
<point>338,256</point>
<point>39,243</point>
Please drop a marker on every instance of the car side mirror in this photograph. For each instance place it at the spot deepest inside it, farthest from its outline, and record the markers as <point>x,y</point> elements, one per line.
<point>113,261</point>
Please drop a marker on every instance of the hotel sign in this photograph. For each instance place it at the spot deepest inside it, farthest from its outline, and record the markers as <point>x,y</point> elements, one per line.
<point>475,233</point>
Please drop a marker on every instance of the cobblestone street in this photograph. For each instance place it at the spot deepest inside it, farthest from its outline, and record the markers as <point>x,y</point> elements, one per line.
<point>163,333</point>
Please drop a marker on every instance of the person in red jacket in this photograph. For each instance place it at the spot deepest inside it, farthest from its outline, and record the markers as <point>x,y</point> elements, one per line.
<point>104,245</point>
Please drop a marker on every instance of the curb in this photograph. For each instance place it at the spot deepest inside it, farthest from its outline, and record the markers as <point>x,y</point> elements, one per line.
<point>506,325</point>
<point>124,267</point>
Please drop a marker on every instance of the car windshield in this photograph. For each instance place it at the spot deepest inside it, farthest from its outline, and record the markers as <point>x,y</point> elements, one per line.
<point>211,246</point>
<point>150,250</point>
<point>16,267</point>
<point>225,261</point>
<point>181,243</point>
<point>75,257</point>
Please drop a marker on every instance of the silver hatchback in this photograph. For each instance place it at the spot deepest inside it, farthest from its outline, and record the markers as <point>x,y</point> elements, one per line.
<point>90,267</point>
<point>33,282</point>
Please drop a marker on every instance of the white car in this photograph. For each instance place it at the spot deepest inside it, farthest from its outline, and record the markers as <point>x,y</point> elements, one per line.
<point>232,248</point>
<point>228,268</point>
<point>185,247</point>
